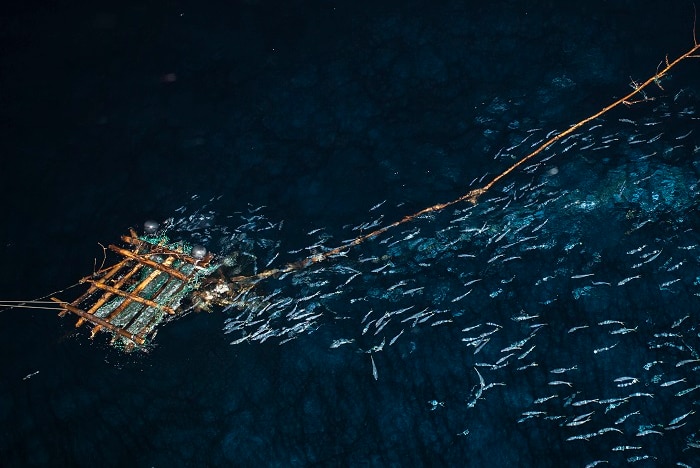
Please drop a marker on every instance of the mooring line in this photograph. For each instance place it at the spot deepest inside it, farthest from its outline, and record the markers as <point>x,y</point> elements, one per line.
<point>473,195</point>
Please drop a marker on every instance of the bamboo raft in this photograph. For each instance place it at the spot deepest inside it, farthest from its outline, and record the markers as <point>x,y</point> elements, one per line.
<point>142,290</point>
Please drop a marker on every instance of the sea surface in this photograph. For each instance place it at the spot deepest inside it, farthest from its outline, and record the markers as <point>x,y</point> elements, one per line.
<point>555,322</point>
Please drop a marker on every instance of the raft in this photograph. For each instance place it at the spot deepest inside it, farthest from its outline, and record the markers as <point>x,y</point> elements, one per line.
<point>142,290</point>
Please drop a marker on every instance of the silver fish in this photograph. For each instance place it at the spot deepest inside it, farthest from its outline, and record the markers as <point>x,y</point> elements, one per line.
<point>681,418</point>
<point>544,399</point>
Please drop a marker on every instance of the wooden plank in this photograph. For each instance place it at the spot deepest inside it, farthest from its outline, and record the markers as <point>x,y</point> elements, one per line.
<point>155,265</point>
<point>98,321</point>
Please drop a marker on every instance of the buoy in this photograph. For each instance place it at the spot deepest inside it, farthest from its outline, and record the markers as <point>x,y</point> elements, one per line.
<point>198,252</point>
<point>150,227</point>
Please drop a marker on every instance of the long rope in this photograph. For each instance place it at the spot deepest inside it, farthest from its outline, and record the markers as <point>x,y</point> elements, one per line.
<point>474,195</point>
<point>38,303</point>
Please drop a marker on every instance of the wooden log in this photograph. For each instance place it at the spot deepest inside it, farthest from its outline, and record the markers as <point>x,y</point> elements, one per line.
<point>106,295</point>
<point>98,321</point>
<point>155,265</point>
<point>132,297</point>
<point>153,275</point>
<point>111,271</point>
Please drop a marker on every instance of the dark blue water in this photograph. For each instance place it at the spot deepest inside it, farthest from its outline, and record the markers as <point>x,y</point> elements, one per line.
<point>318,111</point>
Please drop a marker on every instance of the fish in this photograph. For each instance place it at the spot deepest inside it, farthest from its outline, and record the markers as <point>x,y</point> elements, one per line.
<point>377,270</point>
<point>340,342</point>
<point>678,322</point>
<point>351,278</point>
<point>668,283</point>
<point>653,139</point>
<point>672,382</point>
<point>681,418</point>
<point>560,382</point>
<point>400,283</point>
<point>562,370</point>
<point>596,463</point>
<point>612,406</point>
<point>623,331</point>
<point>584,402</point>
<point>687,390</point>
<point>628,279</point>
<point>29,376</point>
<point>611,322</point>
<point>458,298</point>
<point>534,413</point>
<point>578,422</point>
<point>481,345</point>
<point>393,340</point>
<point>624,418</point>
<point>621,448</point>
<point>606,348</point>
<point>523,316</point>
<point>381,327</point>
<point>440,322</point>
<point>649,365</point>
<point>413,290</point>
<point>522,356</point>
<point>377,205</point>
<point>639,458</point>
<point>504,358</point>
<point>378,348</point>
<point>532,364</point>
<point>609,429</point>
<point>479,391</point>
